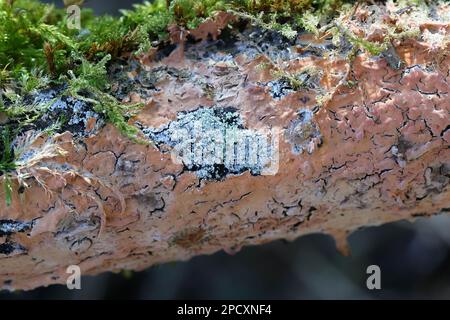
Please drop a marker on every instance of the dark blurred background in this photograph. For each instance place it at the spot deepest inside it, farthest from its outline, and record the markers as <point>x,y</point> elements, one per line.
<point>414,259</point>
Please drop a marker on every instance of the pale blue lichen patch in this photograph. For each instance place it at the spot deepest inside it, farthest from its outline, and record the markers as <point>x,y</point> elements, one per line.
<point>67,112</point>
<point>303,133</point>
<point>213,142</point>
<point>78,112</point>
<point>279,88</point>
<point>51,109</point>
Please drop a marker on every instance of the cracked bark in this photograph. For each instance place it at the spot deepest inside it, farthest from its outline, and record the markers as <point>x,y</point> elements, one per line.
<point>375,152</point>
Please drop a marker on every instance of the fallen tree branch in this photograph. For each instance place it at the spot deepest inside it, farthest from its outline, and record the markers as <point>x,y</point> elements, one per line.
<point>236,155</point>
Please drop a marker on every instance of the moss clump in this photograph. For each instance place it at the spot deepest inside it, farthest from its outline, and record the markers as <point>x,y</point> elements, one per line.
<point>92,79</point>
<point>37,50</point>
<point>35,35</point>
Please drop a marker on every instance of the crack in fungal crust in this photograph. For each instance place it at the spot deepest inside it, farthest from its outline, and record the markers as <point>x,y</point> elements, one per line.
<point>213,143</point>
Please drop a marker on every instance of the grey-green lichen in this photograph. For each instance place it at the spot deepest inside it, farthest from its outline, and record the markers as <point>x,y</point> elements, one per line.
<point>213,142</point>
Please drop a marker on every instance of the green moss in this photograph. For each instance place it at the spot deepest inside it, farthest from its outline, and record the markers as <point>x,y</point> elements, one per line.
<point>191,13</point>
<point>7,158</point>
<point>35,34</point>
<point>373,48</point>
<point>310,22</point>
<point>37,49</point>
<point>153,17</point>
<point>92,78</point>
<point>7,164</point>
<point>117,114</point>
<point>405,3</point>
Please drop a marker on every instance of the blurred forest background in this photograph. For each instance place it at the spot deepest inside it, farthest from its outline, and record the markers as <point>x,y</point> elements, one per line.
<point>414,259</point>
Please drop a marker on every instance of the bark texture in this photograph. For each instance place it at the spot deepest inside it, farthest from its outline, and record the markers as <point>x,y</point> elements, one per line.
<point>363,142</point>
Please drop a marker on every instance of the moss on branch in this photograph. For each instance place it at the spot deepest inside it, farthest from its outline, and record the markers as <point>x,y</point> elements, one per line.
<point>38,51</point>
